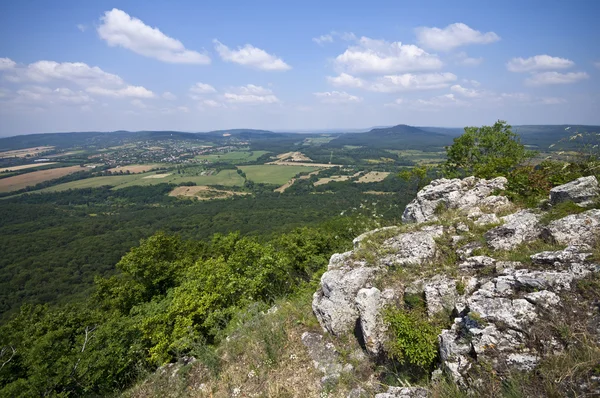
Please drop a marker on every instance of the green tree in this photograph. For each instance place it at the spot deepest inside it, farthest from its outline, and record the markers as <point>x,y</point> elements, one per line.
<point>486,151</point>
<point>419,175</point>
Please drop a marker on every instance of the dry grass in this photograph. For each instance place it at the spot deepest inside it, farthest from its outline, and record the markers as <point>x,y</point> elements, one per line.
<point>21,153</point>
<point>135,168</point>
<point>203,192</point>
<point>26,166</point>
<point>323,181</point>
<point>158,175</point>
<point>30,179</point>
<point>291,182</point>
<point>373,176</point>
<point>294,157</point>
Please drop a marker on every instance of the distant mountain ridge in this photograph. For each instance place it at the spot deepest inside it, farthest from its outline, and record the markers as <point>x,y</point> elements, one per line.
<point>398,137</point>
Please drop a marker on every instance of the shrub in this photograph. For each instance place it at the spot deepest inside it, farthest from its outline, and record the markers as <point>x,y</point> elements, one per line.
<point>487,151</point>
<point>413,338</point>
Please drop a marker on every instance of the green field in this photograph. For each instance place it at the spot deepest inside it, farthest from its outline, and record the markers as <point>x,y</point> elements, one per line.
<point>233,157</point>
<point>421,156</point>
<point>228,178</point>
<point>274,174</point>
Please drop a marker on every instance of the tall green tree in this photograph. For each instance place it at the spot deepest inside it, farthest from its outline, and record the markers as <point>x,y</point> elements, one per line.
<point>486,151</point>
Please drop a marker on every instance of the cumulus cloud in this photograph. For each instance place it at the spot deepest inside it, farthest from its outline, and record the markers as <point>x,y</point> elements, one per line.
<point>46,95</point>
<point>202,88</point>
<point>250,94</point>
<point>452,36</point>
<point>597,64</point>
<point>552,100</point>
<point>212,103</point>
<point>118,28</point>
<point>466,92</point>
<point>169,96</point>
<point>380,56</point>
<point>537,63</point>
<point>82,27</point>
<point>337,97</point>
<point>323,39</point>
<point>465,60</point>
<point>125,92</point>
<point>251,56</point>
<point>441,101</point>
<point>346,80</point>
<point>546,78</point>
<point>7,63</point>
<point>410,81</point>
<point>74,72</point>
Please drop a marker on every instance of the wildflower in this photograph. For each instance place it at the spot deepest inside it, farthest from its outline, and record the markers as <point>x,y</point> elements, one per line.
<point>293,357</point>
<point>236,391</point>
<point>251,374</point>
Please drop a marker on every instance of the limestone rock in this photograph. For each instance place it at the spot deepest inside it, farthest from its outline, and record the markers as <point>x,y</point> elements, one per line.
<point>440,294</point>
<point>487,219</point>
<point>576,229</point>
<point>370,302</point>
<point>403,392</point>
<point>334,303</point>
<point>518,228</point>
<point>325,357</point>
<point>356,242</point>
<point>452,194</point>
<point>583,191</point>
<point>543,298</point>
<point>561,258</point>
<point>495,203</point>
<point>412,247</point>
<point>476,262</point>
<point>517,314</point>
<point>467,250</point>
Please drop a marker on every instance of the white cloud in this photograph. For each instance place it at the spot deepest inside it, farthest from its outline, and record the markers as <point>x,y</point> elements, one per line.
<point>473,83</point>
<point>537,63</point>
<point>212,103</point>
<point>380,56</point>
<point>452,36</point>
<point>251,94</point>
<point>337,97</point>
<point>465,60</point>
<point>397,102</point>
<point>139,104</point>
<point>441,101</point>
<point>169,96</point>
<point>323,39</point>
<point>597,64</point>
<point>346,80</point>
<point>545,78</point>
<point>552,100</point>
<point>74,72</point>
<point>82,27</point>
<point>202,88</point>
<point>125,92</point>
<point>120,29</point>
<point>7,63</point>
<point>466,92</point>
<point>47,95</point>
<point>409,81</point>
<point>251,56</point>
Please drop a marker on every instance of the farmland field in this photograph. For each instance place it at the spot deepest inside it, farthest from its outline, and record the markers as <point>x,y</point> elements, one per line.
<point>26,166</point>
<point>420,156</point>
<point>29,179</point>
<point>274,174</point>
<point>203,193</point>
<point>373,176</point>
<point>233,157</point>
<point>225,177</point>
<point>135,168</point>
<point>21,153</point>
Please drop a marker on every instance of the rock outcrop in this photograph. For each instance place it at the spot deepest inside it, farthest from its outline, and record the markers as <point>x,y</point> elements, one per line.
<point>583,191</point>
<point>496,305</point>
<point>452,194</point>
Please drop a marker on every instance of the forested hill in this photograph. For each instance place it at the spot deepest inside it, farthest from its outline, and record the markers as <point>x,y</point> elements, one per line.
<point>401,136</point>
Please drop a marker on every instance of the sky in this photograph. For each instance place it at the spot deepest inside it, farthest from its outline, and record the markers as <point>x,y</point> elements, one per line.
<point>295,65</point>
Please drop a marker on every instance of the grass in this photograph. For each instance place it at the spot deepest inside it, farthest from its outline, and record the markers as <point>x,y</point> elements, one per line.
<point>273,174</point>
<point>232,157</point>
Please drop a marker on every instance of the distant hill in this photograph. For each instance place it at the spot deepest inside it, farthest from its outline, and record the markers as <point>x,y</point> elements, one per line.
<point>401,136</point>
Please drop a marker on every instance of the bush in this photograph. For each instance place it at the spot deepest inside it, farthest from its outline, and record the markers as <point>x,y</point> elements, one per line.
<point>486,152</point>
<point>413,338</point>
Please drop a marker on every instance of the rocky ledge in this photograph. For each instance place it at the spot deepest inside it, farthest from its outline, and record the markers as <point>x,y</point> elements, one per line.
<point>500,308</point>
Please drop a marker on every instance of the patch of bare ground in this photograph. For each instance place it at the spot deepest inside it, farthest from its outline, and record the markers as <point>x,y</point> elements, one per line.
<point>373,176</point>
<point>26,166</point>
<point>134,168</point>
<point>203,192</point>
<point>323,181</point>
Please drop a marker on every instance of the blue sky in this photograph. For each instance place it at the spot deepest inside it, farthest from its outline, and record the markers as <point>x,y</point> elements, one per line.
<point>204,65</point>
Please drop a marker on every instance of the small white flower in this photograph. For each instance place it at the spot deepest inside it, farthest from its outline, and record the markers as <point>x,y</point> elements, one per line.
<point>293,357</point>
<point>251,374</point>
<point>236,391</point>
